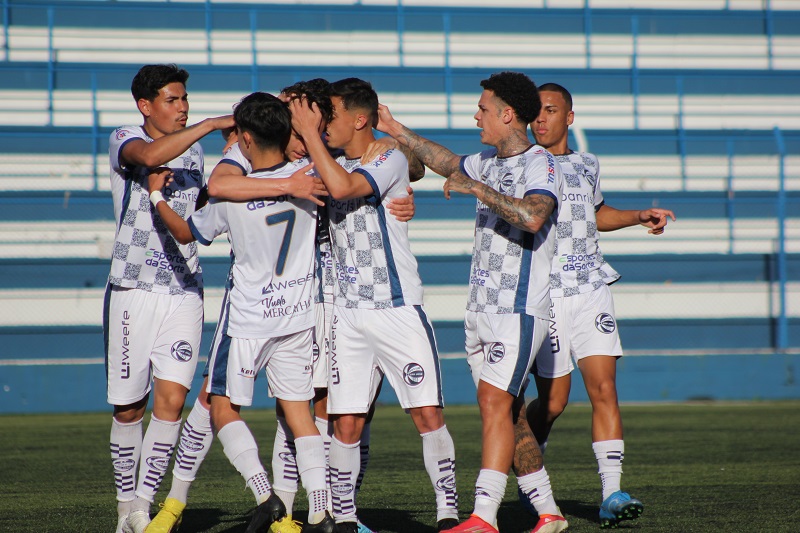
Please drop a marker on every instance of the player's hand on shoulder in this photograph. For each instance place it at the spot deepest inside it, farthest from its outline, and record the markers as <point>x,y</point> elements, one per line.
<point>159,178</point>
<point>306,186</point>
<point>376,148</point>
<point>656,219</point>
<point>403,209</point>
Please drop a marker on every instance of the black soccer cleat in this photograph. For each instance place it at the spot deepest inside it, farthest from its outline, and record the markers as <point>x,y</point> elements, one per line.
<point>326,526</point>
<point>446,524</point>
<point>347,527</point>
<point>266,513</point>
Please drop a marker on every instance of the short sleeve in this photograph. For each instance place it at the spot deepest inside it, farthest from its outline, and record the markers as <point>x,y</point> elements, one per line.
<point>117,141</point>
<point>233,156</point>
<point>385,172</point>
<point>210,221</point>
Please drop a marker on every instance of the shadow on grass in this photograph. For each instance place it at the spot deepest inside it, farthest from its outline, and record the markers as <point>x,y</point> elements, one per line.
<point>379,520</point>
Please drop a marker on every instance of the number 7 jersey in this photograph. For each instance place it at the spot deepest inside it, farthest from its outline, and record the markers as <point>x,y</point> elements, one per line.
<point>273,259</point>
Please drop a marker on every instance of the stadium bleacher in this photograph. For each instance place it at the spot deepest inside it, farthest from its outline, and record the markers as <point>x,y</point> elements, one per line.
<point>690,105</point>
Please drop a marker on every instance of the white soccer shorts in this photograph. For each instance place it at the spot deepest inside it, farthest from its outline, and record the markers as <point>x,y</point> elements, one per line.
<point>501,348</point>
<point>397,341</point>
<point>235,363</point>
<point>323,312</point>
<point>581,325</point>
<point>149,334</point>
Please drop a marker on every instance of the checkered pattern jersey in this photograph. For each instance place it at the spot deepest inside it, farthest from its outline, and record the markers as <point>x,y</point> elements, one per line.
<point>145,254</point>
<point>374,266</point>
<point>578,263</point>
<point>510,267</point>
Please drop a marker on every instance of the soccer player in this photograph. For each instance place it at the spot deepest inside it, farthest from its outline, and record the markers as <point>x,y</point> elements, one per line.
<point>517,186</point>
<point>228,181</point>
<point>583,324</point>
<point>378,324</point>
<point>153,308</point>
<point>269,316</point>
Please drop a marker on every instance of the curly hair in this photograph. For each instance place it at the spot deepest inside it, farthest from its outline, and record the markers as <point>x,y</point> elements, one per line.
<point>152,78</point>
<point>518,91</point>
<point>317,91</point>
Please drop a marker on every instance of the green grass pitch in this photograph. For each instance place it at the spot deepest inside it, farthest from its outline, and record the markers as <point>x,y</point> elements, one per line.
<point>697,467</point>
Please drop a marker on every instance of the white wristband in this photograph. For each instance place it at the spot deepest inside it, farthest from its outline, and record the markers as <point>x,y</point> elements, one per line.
<point>156,197</point>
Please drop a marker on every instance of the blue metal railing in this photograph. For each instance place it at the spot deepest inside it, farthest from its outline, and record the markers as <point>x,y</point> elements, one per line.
<point>782,333</point>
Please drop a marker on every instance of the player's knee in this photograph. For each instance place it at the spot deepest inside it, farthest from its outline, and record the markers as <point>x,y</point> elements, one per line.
<point>347,429</point>
<point>427,419</point>
<point>604,391</point>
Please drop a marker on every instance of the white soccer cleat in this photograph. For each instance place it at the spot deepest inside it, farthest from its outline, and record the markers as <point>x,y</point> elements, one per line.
<point>137,521</point>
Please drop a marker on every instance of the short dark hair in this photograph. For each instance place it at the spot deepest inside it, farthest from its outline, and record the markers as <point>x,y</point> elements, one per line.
<point>556,88</point>
<point>316,91</point>
<point>357,94</point>
<point>518,91</point>
<point>266,118</point>
<point>152,78</point>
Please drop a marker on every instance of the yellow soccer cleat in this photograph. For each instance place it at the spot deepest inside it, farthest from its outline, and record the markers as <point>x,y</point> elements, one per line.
<point>168,518</point>
<point>286,525</point>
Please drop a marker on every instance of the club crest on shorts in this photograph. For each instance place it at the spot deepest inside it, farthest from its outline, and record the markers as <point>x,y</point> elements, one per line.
<point>496,353</point>
<point>605,323</point>
<point>315,352</point>
<point>182,351</point>
<point>413,374</point>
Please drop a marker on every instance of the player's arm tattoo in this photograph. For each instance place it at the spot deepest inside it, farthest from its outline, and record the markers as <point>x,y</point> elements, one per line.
<point>528,213</point>
<point>527,455</point>
<point>433,155</point>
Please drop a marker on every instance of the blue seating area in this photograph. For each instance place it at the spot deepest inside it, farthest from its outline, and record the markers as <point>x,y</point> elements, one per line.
<point>696,109</point>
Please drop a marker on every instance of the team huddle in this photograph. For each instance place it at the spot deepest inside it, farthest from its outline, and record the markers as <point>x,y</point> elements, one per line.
<point>324,296</point>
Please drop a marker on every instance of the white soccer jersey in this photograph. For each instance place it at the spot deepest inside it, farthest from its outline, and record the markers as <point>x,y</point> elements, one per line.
<point>375,268</point>
<point>510,267</point>
<point>324,289</point>
<point>272,244</point>
<point>145,255</point>
<point>578,263</point>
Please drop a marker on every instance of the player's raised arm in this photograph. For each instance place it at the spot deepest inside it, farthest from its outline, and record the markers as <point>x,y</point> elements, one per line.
<point>166,148</point>
<point>227,182</point>
<point>416,170</point>
<point>610,219</point>
<point>433,155</point>
<point>174,222</point>
<point>340,183</point>
<point>528,213</point>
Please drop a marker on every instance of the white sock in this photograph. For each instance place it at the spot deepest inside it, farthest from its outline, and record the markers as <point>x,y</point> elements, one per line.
<point>193,445</point>
<point>344,467</point>
<point>325,429</point>
<point>311,466</point>
<point>439,455</point>
<point>609,454</point>
<point>489,491</point>
<point>157,448</point>
<point>536,487</point>
<point>284,465</point>
<point>241,450</point>
<point>126,449</point>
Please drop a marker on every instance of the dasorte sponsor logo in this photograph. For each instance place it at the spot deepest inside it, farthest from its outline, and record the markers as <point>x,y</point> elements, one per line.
<point>165,261</point>
<point>577,262</point>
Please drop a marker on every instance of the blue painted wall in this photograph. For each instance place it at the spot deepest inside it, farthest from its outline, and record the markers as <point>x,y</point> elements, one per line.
<point>76,388</point>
